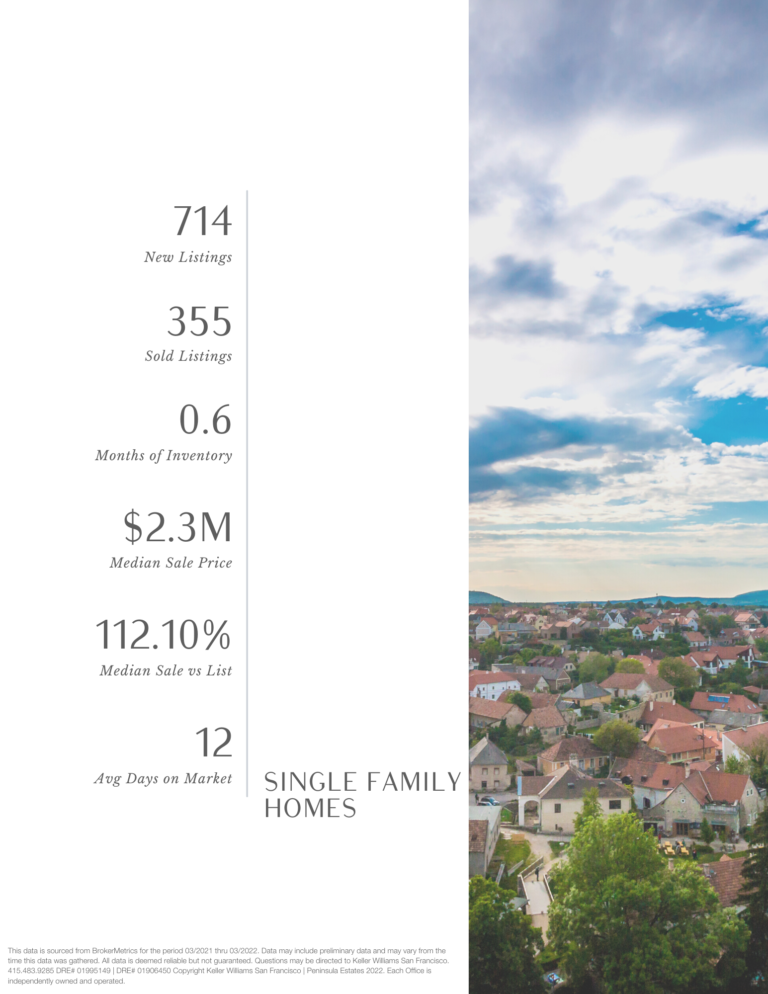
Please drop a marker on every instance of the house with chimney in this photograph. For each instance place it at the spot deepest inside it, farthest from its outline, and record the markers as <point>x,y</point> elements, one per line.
<point>739,741</point>
<point>729,801</point>
<point>726,877</point>
<point>551,722</point>
<point>681,742</point>
<point>552,802</point>
<point>587,695</point>
<point>651,783</point>
<point>715,707</point>
<point>638,685</point>
<point>667,711</point>
<point>573,750</point>
<point>490,714</point>
<point>556,680</point>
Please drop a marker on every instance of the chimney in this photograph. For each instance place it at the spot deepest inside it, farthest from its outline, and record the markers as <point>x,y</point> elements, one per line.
<point>651,707</point>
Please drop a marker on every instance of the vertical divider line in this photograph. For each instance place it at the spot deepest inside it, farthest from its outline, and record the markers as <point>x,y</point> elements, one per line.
<point>247,536</point>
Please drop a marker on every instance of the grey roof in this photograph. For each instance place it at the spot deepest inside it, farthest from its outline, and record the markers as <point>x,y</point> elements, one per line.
<point>586,691</point>
<point>548,672</point>
<point>575,784</point>
<point>486,752</point>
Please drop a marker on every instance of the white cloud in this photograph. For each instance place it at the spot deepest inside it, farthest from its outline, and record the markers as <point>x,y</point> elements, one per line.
<point>734,382</point>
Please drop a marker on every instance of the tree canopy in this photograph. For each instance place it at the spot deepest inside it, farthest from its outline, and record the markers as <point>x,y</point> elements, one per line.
<point>503,943</point>
<point>617,738</point>
<point>629,665</point>
<point>595,667</point>
<point>679,674</point>
<point>522,700</point>
<point>755,893</point>
<point>623,920</point>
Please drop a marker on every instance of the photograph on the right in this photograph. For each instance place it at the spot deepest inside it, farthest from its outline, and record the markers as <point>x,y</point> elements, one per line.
<point>618,447</point>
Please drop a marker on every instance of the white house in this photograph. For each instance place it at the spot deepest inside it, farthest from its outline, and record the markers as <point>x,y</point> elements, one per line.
<point>491,686</point>
<point>483,630</point>
<point>652,630</point>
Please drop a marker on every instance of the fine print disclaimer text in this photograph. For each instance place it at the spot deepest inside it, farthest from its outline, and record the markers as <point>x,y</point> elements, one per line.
<point>101,965</point>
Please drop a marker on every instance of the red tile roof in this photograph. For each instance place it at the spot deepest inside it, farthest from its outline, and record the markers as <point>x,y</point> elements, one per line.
<point>726,876</point>
<point>497,710</point>
<point>652,775</point>
<point>714,787</point>
<point>668,711</point>
<point>736,703</point>
<point>486,676</point>
<point>544,718</point>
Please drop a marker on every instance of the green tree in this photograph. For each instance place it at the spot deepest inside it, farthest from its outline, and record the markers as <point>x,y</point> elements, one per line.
<point>502,943</point>
<point>522,700</point>
<point>594,668</point>
<point>490,650</point>
<point>734,765</point>
<point>707,833</point>
<point>764,619</point>
<point>758,762</point>
<point>762,647</point>
<point>739,673</point>
<point>711,623</point>
<point>622,920</point>
<point>629,665</point>
<point>755,893</point>
<point>590,808</point>
<point>617,738</point>
<point>679,674</point>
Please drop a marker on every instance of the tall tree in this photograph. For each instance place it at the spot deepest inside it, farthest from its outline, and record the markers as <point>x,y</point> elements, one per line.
<point>755,893</point>
<point>617,738</point>
<point>503,943</point>
<point>523,701</point>
<point>629,665</point>
<point>623,920</point>
<point>679,674</point>
<point>758,762</point>
<point>490,650</point>
<point>594,668</point>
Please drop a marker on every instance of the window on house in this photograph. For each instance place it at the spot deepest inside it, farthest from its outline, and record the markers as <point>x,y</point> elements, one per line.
<point>483,784</point>
<point>496,770</point>
<point>485,771</point>
<point>615,805</point>
<point>558,808</point>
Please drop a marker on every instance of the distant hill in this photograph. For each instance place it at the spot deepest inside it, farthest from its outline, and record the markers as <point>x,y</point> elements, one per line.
<point>480,597</point>
<point>757,597</point>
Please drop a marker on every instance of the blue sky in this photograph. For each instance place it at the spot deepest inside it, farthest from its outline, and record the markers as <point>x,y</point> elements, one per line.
<point>619,298</point>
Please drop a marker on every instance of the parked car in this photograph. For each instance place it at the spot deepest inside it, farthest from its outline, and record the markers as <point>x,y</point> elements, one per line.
<point>489,800</point>
<point>485,804</point>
